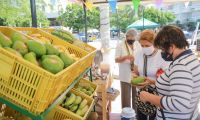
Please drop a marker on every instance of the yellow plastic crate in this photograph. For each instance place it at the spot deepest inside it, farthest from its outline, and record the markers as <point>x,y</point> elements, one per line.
<point>79,67</point>
<point>78,43</point>
<point>31,86</point>
<point>60,113</point>
<point>85,81</point>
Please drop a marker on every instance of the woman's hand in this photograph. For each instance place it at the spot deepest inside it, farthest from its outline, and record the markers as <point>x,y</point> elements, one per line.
<point>144,96</point>
<point>129,57</point>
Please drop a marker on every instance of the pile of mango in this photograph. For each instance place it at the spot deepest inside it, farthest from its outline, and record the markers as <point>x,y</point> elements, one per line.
<point>64,35</point>
<point>39,52</point>
<point>76,104</point>
<point>87,89</point>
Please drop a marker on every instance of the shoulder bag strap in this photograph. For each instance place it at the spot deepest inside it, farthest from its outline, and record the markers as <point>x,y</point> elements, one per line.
<point>129,53</point>
<point>145,74</point>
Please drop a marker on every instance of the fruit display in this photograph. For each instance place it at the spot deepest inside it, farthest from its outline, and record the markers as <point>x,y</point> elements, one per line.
<point>39,52</point>
<point>86,87</point>
<point>13,51</point>
<point>64,35</point>
<point>137,80</point>
<point>75,104</point>
<point>5,41</point>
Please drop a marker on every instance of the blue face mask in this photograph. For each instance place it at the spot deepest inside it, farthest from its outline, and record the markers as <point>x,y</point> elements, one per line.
<point>167,56</point>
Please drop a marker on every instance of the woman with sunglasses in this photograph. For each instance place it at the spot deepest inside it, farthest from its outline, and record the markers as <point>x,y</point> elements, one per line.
<point>124,56</point>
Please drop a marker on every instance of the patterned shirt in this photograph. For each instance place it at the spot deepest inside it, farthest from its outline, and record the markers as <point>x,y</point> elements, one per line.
<point>179,87</point>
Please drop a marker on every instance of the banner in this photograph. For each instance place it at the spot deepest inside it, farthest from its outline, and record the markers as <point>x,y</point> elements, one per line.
<point>136,4</point>
<point>89,5</point>
<point>186,4</point>
<point>113,4</point>
<point>159,3</point>
<point>72,1</point>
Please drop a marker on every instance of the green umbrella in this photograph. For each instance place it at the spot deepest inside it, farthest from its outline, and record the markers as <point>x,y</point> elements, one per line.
<point>147,24</point>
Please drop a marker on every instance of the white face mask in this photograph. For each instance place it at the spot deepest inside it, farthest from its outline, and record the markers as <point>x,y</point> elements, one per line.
<point>148,50</point>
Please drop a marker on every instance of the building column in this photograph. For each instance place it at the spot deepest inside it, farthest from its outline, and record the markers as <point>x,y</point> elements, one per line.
<point>104,25</point>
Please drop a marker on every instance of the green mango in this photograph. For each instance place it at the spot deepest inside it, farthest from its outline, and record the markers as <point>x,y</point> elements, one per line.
<point>13,51</point>
<point>79,112</point>
<point>89,93</point>
<point>74,108</point>
<point>37,47</point>
<point>83,104</point>
<point>0,45</point>
<point>78,100</point>
<point>20,47</point>
<point>31,57</point>
<point>84,90</point>
<point>18,37</point>
<point>137,80</point>
<point>68,60</point>
<point>51,50</point>
<point>5,41</point>
<point>91,89</point>
<point>84,110</point>
<point>70,100</point>
<point>52,63</point>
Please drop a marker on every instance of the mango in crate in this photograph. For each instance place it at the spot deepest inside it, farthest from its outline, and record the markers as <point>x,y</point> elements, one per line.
<point>51,50</point>
<point>73,107</point>
<point>45,40</point>
<point>52,63</point>
<point>60,48</point>
<point>31,57</point>
<point>70,100</point>
<point>5,41</point>
<point>89,93</point>
<point>37,47</point>
<point>67,59</point>
<point>91,89</point>
<point>36,35</point>
<point>78,100</point>
<point>85,88</point>
<point>137,80</point>
<point>13,51</point>
<point>20,47</point>
<point>83,104</point>
<point>18,37</point>
<point>81,112</point>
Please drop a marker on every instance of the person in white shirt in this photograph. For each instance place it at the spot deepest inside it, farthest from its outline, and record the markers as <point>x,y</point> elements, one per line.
<point>147,62</point>
<point>124,55</point>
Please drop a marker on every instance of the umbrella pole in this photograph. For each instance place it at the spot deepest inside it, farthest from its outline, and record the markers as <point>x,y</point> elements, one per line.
<point>33,13</point>
<point>85,18</point>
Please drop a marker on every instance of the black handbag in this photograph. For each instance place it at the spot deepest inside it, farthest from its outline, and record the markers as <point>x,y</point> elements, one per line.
<point>147,108</point>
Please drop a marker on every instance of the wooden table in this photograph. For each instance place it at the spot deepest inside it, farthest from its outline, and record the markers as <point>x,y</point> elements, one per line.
<point>103,85</point>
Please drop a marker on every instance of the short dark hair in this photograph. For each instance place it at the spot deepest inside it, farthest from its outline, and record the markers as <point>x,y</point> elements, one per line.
<point>169,35</point>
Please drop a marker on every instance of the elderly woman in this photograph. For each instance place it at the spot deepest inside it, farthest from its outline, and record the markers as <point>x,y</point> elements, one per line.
<point>124,55</point>
<point>148,62</point>
<point>179,86</point>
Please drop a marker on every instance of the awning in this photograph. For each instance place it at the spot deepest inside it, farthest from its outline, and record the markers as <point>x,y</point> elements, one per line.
<point>147,24</point>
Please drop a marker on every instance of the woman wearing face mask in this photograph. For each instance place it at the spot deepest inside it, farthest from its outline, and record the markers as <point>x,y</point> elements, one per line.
<point>124,56</point>
<point>179,86</point>
<point>147,63</point>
